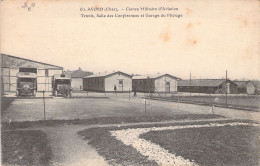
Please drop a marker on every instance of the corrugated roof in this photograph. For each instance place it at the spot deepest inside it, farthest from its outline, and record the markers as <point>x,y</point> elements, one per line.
<point>79,73</point>
<point>105,74</point>
<point>201,82</point>
<point>152,76</point>
<point>241,83</point>
<point>33,61</point>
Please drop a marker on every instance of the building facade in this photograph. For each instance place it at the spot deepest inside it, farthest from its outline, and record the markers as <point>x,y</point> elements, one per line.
<point>77,78</point>
<point>12,65</point>
<point>105,82</point>
<point>207,86</point>
<point>246,87</point>
<point>155,83</point>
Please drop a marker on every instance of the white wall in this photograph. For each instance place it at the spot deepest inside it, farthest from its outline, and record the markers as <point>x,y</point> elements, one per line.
<point>160,84</point>
<point>44,82</point>
<point>113,80</point>
<point>77,83</point>
<point>250,88</point>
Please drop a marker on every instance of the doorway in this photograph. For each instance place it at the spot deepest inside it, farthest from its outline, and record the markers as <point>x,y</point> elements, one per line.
<point>168,88</point>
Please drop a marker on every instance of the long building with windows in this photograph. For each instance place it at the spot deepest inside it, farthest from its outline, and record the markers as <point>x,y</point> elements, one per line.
<point>207,86</point>
<point>11,65</point>
<point>155,83</point>
<point>106,82</point>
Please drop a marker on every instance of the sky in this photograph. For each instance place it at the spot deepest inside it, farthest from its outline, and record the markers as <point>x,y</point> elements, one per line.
<point>210,37</point>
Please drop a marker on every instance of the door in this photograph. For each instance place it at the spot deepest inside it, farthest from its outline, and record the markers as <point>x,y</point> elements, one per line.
<point>121,85</point>
<point>168,89</point>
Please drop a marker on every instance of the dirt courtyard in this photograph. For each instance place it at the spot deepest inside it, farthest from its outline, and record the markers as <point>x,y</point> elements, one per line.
<point>119,105</point>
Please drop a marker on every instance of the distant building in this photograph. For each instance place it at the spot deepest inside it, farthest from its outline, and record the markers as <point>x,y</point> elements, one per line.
<point>77,78</point>
<point>207,86</point>
<point>105,82</point>
<point>11,65</point>
<point>246,87</point>
<point>155,83</point>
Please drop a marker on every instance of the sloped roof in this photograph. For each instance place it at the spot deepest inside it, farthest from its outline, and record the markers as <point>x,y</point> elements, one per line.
<point>152,76</point>
<point>202,82</point>
<point>32,61</point>
<point>243,83</point>
<point>106,74</point>
<point>79,73</point>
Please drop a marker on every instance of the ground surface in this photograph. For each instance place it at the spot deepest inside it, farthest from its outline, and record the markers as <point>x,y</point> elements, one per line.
<point>251,103</point>
<point>25,148</point>
<point>67,116</point>
<point>114,106</point>
<point>116,152</point>
<point>229,145</point>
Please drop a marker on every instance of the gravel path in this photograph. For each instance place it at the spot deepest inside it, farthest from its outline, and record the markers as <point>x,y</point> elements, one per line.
<point>154,152</point>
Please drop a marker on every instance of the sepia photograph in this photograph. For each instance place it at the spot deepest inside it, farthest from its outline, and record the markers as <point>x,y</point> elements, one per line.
<point>130,83</point>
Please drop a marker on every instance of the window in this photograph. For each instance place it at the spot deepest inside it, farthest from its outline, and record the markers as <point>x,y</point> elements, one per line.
<point>120,82</point>
<point>46,72</point>
<point>167,83</point>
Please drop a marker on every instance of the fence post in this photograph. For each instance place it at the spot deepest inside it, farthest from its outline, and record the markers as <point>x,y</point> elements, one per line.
<point>145,105</point>
<point>43,97</point>
<point>178,102</point>
<point>129,94</point>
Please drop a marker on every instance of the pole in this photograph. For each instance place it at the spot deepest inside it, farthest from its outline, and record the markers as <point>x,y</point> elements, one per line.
<point>43,104</point>
<point>226,89</point>
<point>190,86</point>
<point>199,86</point>
<point>178,102</point>
<point>144,105</point>
<point>165,86</point>
<point>129,94</point>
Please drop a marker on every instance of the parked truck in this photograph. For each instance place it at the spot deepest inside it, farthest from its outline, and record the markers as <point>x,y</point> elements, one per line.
<point>26,83</point>
<point>61,85</point>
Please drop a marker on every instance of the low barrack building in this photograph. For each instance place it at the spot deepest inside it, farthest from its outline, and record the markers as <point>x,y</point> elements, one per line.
<point>105,82</point>
<point>77,78</point>
<point>165,83</point>
<point>207,86</point>
<point>12,65</point>
<point>246,87</point>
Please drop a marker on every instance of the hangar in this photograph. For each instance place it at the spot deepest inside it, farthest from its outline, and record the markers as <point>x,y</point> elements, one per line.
<point>105,82</point>
<point>11,65</point>
<point>155,83</point>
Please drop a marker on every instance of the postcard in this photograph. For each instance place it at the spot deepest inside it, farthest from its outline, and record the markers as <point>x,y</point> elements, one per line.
<point>138,82</point>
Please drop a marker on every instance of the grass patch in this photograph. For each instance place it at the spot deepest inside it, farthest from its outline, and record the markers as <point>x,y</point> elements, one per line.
<point>115,152</point>
<point>249,103</point>
<point>109,120</point>
<point>228,145</point>
<point>25,147</point>
<point>5,102</point>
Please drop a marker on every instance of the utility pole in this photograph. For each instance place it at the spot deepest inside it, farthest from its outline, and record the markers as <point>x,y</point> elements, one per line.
<point>190,86</point>
<point>43,97</point>
<point>226,89</point>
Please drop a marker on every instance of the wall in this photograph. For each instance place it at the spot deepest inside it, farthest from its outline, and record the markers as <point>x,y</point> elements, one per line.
<point>112,80</point>
<point>144,85</point>
<point>250,88</point>
<point>160,84</point>
<point>10,68</point>
<point>77,83</point>
<point>94,84</point>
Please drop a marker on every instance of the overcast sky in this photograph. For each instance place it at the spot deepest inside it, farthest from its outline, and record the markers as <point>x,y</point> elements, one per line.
<point>210,38</point>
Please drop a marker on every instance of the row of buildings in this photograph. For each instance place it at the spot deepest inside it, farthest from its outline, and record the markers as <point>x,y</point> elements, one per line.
<point>106,82</point>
